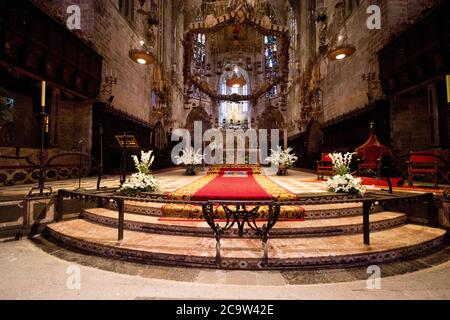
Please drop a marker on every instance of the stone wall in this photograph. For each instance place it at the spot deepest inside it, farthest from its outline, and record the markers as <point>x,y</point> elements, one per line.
<point>113,37</point>
<point>410,124</point>
<point>343,87</point>
<point>86,8</point>
<point>74,125</point>
<point>341,82</point>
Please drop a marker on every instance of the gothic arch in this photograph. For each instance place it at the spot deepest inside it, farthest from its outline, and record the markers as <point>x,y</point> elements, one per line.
<point>159,139</point>
<point>313,139</point>
<point>197,114</point>
<point>271,119</point>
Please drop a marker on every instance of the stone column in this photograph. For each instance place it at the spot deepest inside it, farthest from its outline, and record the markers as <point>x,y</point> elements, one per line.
<point>285,138</point>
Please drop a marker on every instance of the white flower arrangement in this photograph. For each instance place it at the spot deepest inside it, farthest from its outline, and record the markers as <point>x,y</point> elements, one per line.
<point>143,165</point>
<point>282,157</point>
<point>189,157</point>
<point>143,180</point>
<point>346,183</point>
<point>343,181</point>
<point>341,163</point>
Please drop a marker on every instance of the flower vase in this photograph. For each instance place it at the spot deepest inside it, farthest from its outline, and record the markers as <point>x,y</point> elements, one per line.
<point>190,171</point>
<point>282,170</point>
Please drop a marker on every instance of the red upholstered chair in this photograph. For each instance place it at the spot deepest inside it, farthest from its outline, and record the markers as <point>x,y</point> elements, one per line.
<point>371,153</point>
<point>423,163</point>
<point>325,166</point>
<point>370,159</point>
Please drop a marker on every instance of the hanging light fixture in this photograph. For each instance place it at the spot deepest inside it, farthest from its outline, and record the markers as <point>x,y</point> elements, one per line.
<point>343,48</point>
<point>236,80</point>
<point>142,55</point>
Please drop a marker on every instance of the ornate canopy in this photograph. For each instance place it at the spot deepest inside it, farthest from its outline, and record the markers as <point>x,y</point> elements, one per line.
<point>241,14</point>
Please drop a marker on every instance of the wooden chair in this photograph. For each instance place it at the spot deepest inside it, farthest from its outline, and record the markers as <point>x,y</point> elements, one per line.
<point>369,160</point>
<point>423,163</point>
<point>325,166</point>
<point>371,153</point>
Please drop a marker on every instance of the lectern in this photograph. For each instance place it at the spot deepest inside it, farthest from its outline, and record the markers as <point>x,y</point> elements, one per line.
<point>126,142</point>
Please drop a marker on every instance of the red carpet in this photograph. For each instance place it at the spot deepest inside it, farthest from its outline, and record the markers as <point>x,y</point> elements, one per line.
<point>232,188</point>
<point>178,220</point>
<point>396,182</point>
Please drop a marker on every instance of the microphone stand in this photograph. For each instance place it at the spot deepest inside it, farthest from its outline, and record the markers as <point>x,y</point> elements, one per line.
<point>80,150</point>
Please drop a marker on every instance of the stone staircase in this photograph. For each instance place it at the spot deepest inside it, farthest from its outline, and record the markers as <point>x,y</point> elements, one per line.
<point>331,236</point>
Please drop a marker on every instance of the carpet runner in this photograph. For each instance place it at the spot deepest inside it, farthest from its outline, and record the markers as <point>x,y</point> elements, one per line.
<point>231,183</point>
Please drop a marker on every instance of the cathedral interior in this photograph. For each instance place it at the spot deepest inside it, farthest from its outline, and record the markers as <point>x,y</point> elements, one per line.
<point>86,84</point>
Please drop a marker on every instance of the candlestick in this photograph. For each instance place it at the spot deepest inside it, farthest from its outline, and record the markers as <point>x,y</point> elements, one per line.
<point>43,87</point>
<point>46,123</point>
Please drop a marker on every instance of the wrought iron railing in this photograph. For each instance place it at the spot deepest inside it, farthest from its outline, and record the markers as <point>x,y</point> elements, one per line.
<point>243,214</point>
<point>44,164</point>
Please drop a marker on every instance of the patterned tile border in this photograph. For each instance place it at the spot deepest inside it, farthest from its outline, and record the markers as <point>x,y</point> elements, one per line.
<point>177,229</point>
<point>309,214</point>
<point>117,252</point>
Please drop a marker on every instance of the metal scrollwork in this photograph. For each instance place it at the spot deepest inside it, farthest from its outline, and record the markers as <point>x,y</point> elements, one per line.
<point>242,215</point>
<point>239,213</point>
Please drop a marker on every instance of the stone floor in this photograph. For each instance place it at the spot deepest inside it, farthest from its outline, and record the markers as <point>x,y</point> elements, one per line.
<point>170,180</point>
<point>37,269</point>
<point>395,239</point>
<point>298,181</point>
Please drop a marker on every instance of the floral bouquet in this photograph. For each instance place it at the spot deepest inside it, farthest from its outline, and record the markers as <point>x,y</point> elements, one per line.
<point>343,181</point>
<point>283,159</point>
<point>143,180</point>
<point>190,159</point>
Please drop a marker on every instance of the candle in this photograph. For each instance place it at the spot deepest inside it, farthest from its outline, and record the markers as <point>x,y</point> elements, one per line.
<point>43,86</point>
<point>448,88</point>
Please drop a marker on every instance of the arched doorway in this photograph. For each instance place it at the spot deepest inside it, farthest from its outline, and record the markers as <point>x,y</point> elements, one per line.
<point>159,139</point>
<point>270,119</point>
<point>313,139</point>
<point>198,114</point>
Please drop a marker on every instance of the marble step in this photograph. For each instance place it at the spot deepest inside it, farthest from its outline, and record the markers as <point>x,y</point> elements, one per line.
<point>242,253</point>
<point>319,211</point>
<point>283,228</point>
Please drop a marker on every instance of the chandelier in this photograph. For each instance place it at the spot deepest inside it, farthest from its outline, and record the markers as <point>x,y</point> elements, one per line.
<point>236,80</point>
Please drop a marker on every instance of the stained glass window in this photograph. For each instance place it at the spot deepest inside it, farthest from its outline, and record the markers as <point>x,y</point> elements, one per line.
<point>154,100</point>
<point>270,56</point>
<point>293,28</point>
<point>199,50</point>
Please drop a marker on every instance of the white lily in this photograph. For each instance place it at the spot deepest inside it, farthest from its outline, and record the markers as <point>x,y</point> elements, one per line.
<point>282,157</point>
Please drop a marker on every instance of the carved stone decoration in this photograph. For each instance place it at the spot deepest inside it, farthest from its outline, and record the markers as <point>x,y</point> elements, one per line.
<point>322,26</point>
<point>210,21</point>
<point>239,17</point>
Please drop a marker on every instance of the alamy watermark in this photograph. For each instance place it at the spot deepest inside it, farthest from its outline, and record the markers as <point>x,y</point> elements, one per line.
<point>374,20</point>
<point>227,146</point>
<point>73,22</point>
<point>73,281</point>
<point>374,280</point>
